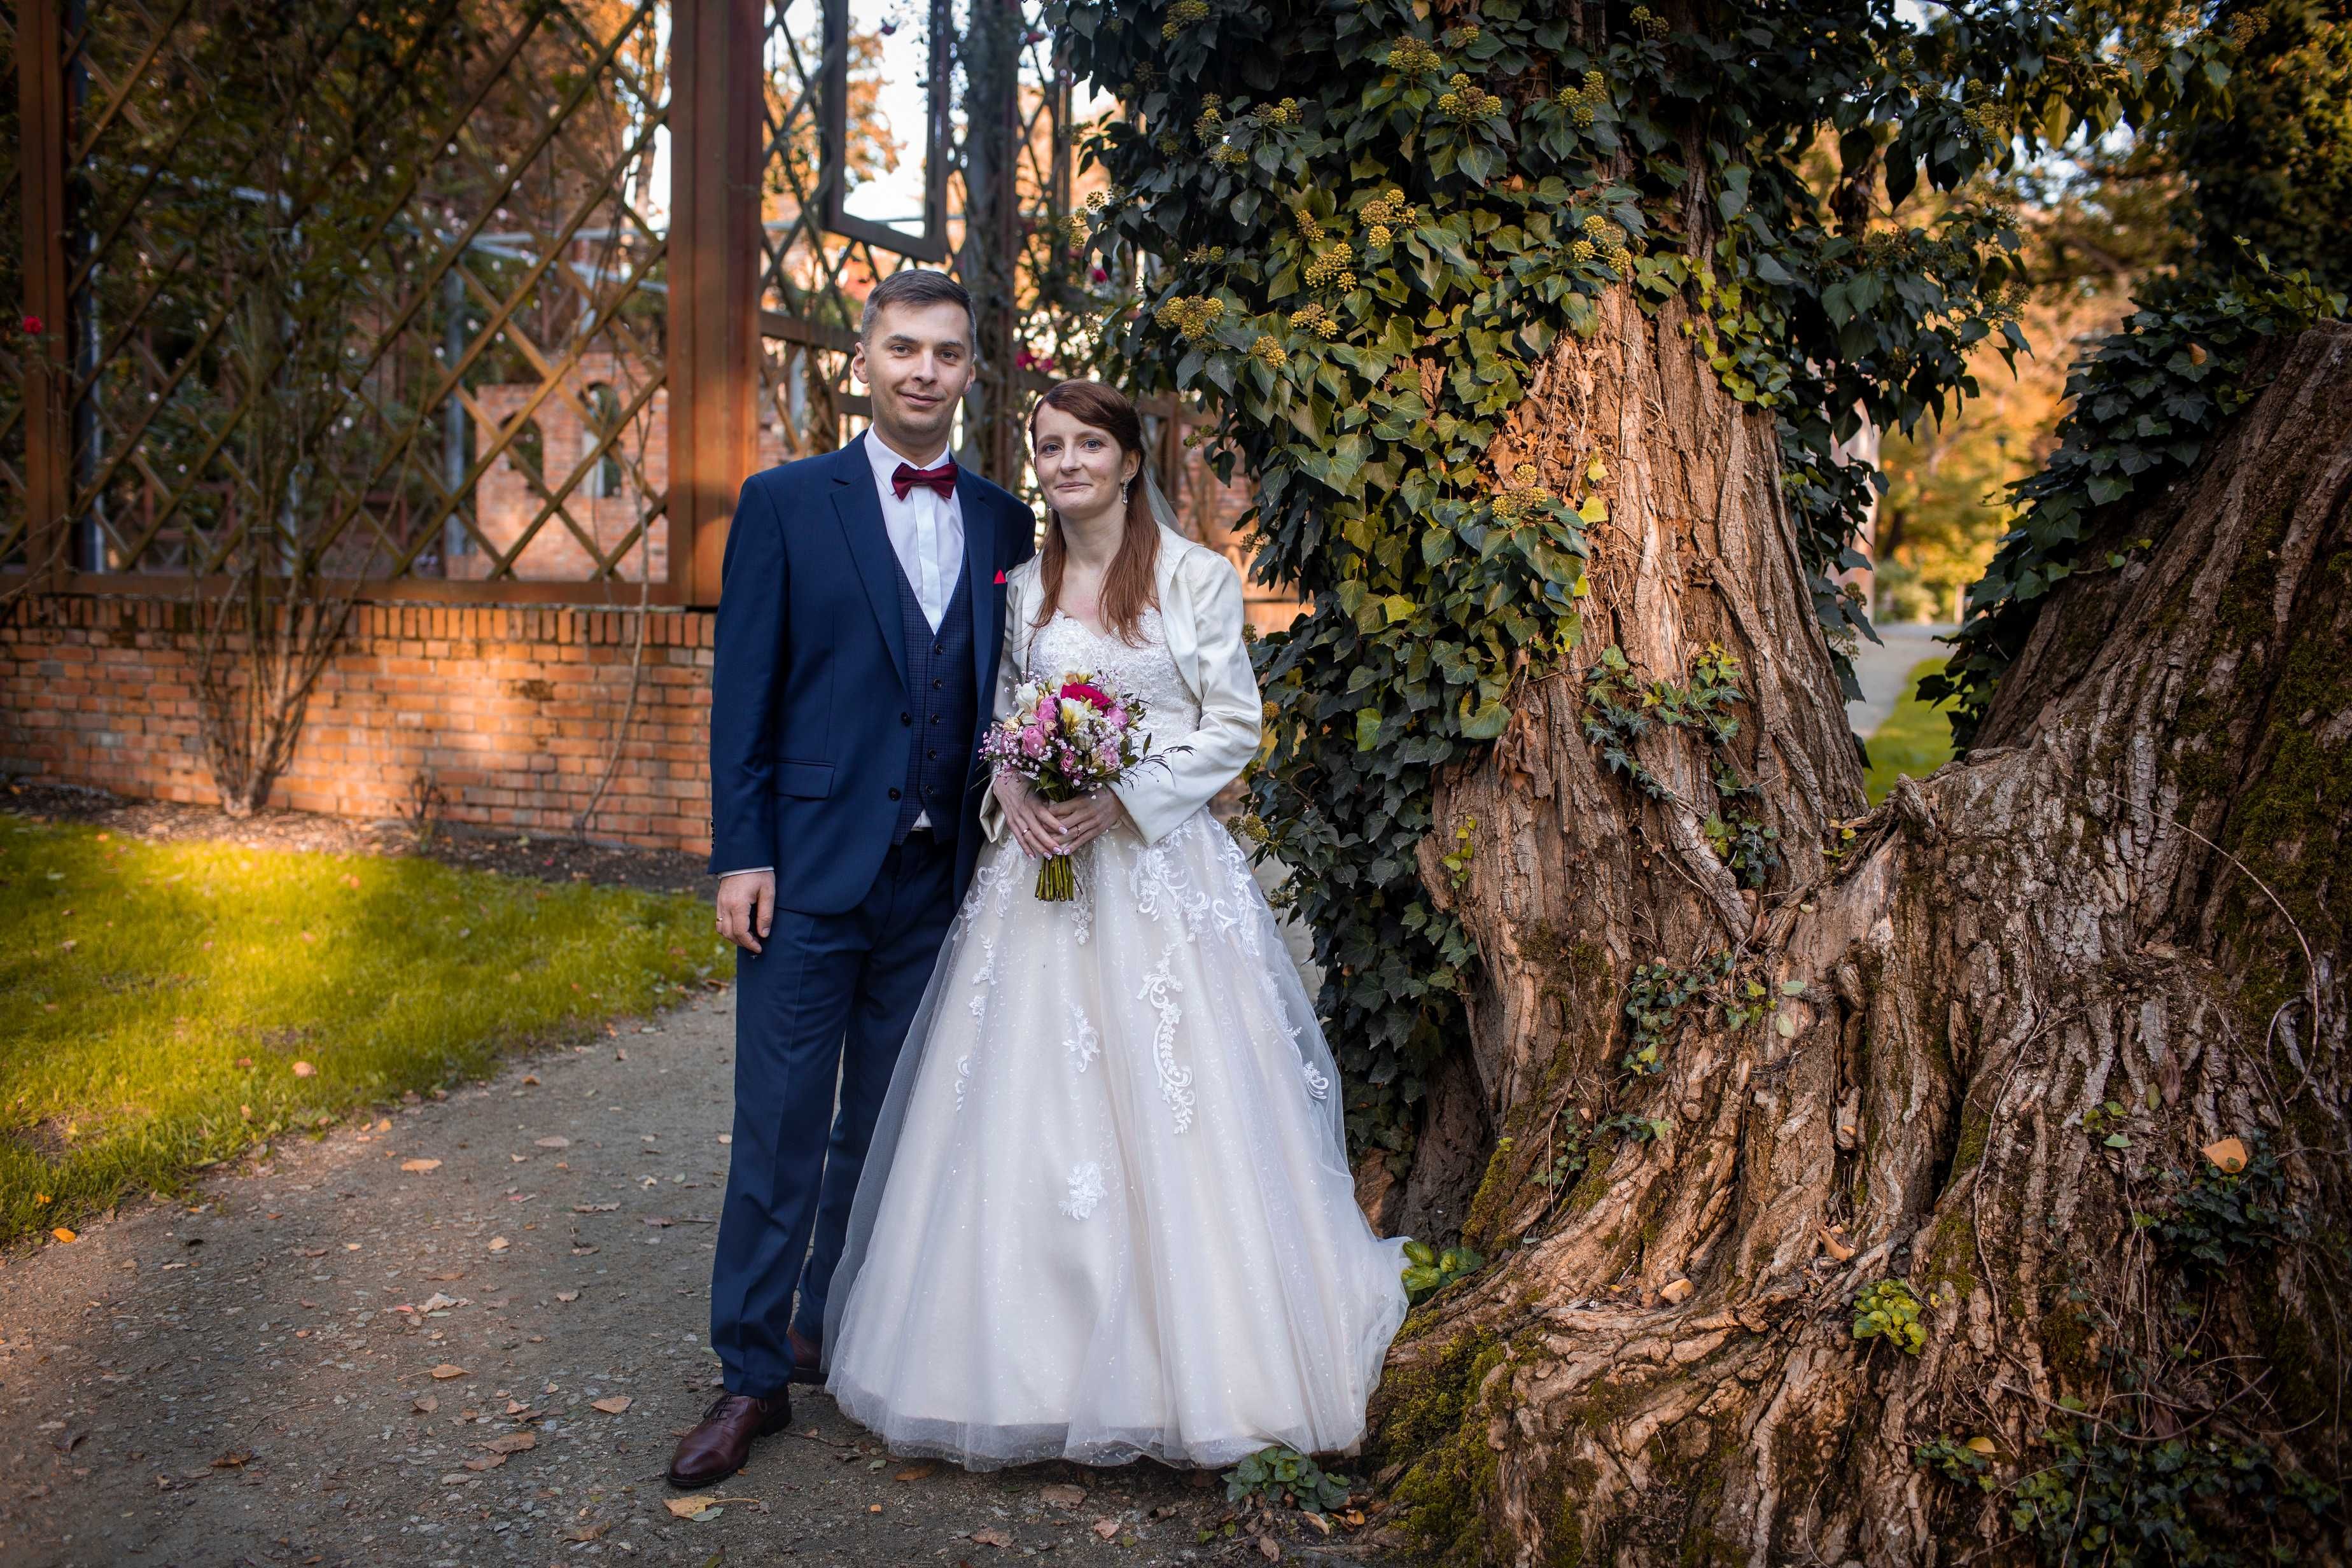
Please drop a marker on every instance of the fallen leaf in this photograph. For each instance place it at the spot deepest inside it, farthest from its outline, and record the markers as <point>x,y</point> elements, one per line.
<point>446,1274</point>
<point>437,1302</point>
<point>1105,1528</point>
<point>304,1069</point>
<point>685,1507</point>
<point>1674,1292</point>
<point>555,1142</point>
<point>512,1442</point>
<point>612,1403</point>
<point>234,1458</point>
<point>1835,1248</point>
<point>529,1079</point>
<point>64,1233</point>
<point>992,1538</point>
<point>2229,1155</point>
<point>588,1532</point>
<point>448,1370</point>
<point>1981,1445</point>
<point>420,1166</point>
<point>923,1471</point>
<point>498,1244</point>
<point>428,1404</point>
<point>594,1208</point>
<point>1269,1549</point>
<point>1063,1495</point>
<point>1320,1523</point>
<point>310,1252</point>
<point>567,1295</point>
<point>487,1462</point>
<point>874,1508</point>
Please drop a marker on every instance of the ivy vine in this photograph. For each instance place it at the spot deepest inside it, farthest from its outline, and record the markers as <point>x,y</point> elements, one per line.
<point>1362,224</point>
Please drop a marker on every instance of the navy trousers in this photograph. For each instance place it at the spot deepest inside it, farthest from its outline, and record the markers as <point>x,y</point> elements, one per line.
<point>831,997</point>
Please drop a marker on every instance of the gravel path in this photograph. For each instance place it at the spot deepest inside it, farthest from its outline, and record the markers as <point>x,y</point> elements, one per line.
<point>348,1357</point>
<point>1879,668</point>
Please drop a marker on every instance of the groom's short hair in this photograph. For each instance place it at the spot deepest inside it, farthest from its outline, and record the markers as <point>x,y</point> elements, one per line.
<point>916,287</point>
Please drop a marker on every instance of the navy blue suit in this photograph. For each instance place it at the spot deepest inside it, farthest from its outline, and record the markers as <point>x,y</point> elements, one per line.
<point>831,721</point>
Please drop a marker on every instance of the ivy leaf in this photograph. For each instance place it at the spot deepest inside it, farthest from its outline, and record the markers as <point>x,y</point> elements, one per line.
<point>1488,723</point>
<point>1367,729</point>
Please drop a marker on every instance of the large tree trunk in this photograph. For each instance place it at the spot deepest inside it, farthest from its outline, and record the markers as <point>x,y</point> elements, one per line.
<point>2125,903</point>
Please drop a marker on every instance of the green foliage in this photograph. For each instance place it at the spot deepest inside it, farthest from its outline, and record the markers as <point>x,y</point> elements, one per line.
<point>1427,1272</point>
<point>1890,1310</point>
<point>2275,171</point>
<point>2211,1218</point>
<point>168,1038</point>
<point>1913,742</point>
<point>1364,233</point>
<point>1285,1477</point>
<point>2114,1494</point>
<point>1967,1461</point>
<point>2144,406</point>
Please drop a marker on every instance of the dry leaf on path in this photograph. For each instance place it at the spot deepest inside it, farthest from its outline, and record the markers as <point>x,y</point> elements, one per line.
<point>512,1442</point>
<point>428,1404</point>
<point>1062,1495</point>
<point>64,1233</point>
<point>420,1166</point>
<point>233,1459</point>
<point>555,1141</point>
<point>498,1244</point>
<point>611,1404</point>
<point>695,1507</point>
<point>594,1208</point>
<point>1269,1549</point>
<point>567,1295</point>
<point>437,1302</point>
<point>1105,1528</point>
<point>992,1538</point>
<point>449,1369</point>
<point>487,1462</point>
<point>923,1471</point>
<point>1836,1248</point>
<point>588,1532</point>
<point>446,1275</point>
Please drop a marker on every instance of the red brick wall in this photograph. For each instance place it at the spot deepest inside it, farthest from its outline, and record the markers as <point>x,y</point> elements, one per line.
<point>511,710</point>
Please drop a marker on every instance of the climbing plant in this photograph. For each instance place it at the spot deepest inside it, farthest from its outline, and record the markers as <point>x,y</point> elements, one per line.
<point>1369,222</point>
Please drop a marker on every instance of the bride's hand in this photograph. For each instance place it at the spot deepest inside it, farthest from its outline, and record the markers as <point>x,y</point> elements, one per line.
<point>1031,818</point>
<point>1087,818</point>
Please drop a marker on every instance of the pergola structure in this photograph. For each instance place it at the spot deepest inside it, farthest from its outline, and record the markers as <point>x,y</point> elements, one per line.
<point>507,295</point>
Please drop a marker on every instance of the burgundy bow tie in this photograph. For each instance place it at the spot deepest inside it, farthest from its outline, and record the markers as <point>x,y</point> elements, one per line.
<point>941,479</point>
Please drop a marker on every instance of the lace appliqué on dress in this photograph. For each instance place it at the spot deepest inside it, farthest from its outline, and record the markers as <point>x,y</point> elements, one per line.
<point>1086,1190</point>
<point>1085,1042</point>
<point>982,981</point>
<point>1175,1082</point>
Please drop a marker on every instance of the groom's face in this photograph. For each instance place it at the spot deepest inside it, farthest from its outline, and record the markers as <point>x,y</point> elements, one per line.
<point>917,362</point>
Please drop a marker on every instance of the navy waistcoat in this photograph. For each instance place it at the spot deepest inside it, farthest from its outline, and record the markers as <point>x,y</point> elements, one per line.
<point>942,709</point>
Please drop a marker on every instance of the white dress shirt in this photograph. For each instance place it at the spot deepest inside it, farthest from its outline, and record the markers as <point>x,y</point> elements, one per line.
<point>925,532</point>
<point>926,528</point>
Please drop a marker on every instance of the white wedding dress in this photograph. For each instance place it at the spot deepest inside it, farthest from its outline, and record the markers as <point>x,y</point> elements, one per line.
<point>1108,1211</point>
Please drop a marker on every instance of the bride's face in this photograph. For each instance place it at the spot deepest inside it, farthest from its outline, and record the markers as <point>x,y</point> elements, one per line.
<point>1079,467</point>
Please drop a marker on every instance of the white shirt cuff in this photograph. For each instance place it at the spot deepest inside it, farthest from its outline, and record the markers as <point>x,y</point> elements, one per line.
<point>743,871</point>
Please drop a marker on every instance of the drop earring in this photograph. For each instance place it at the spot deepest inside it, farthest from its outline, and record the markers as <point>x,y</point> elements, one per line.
<point>1122,490</point>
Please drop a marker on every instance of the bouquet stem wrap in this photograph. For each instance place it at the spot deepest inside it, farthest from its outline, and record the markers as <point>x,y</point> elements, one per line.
<point>1057,881</point>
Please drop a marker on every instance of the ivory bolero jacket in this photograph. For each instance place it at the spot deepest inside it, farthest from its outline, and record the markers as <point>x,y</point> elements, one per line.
<point>1201,616</point>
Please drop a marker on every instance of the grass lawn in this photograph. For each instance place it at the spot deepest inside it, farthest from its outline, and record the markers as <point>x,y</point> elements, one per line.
<point>1915,740</point>
<point>165,1005</point>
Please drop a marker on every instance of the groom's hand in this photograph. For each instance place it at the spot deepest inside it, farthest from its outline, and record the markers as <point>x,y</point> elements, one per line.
<point>747,906</point>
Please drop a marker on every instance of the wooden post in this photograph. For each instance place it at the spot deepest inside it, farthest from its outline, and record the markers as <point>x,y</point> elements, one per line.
<point>716,136</point>
<point>48,447</point>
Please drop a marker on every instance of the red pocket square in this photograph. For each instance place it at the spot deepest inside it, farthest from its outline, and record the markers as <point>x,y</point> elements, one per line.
<point>1000,579</point>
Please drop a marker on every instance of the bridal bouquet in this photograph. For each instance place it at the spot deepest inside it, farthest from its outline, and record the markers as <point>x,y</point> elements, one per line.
<point>1065,738</point>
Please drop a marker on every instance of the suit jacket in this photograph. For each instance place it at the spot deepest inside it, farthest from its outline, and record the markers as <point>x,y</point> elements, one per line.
<point>1201,616</point>
<point>809,731</point>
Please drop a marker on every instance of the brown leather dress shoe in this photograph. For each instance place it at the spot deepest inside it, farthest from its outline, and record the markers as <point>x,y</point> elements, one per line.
<point>721,1444</point>
<point>807,1358</point>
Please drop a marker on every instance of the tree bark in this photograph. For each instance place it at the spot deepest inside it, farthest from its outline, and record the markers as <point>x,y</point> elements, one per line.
<point>2125,903</point>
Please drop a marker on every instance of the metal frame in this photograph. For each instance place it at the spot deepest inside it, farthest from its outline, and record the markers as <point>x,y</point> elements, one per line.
<point>833,172</point>
<point>738,310</point>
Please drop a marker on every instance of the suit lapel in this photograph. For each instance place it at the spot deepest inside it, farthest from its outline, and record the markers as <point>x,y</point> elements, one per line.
<point>859,511</point>
<point>980,558</point>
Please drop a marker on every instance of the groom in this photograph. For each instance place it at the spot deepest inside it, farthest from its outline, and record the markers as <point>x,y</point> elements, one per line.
<point>859,617</point>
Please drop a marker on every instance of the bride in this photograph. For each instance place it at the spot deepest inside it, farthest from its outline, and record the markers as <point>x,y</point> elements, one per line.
<point>1107,1212</point>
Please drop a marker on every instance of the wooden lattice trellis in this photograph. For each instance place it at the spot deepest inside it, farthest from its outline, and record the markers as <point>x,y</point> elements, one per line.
<point>515,291</point>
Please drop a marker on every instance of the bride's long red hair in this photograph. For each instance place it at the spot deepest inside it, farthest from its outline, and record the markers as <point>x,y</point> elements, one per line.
<point>1130,587</point>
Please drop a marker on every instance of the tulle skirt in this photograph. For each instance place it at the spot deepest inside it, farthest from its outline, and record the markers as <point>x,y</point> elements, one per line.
<point>1108,1211</point>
